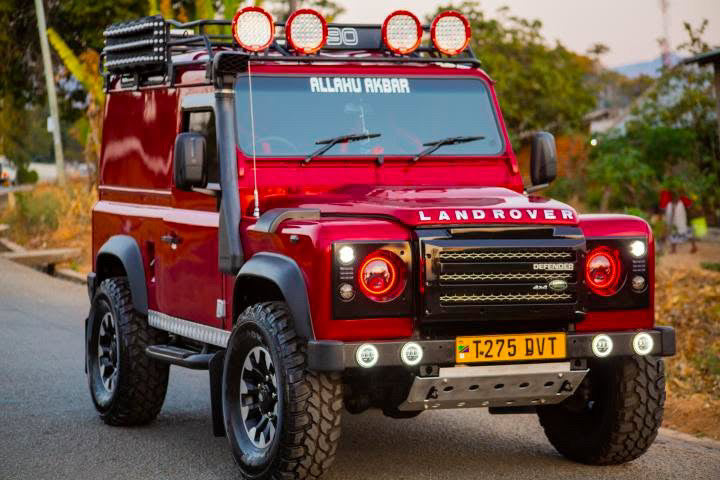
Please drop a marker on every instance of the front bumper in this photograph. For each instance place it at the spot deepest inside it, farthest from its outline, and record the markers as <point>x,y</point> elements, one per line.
<point>334,356</point>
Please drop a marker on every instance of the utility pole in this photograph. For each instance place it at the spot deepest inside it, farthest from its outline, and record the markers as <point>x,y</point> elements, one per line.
<point>52,95</point>
<point>665,40</point>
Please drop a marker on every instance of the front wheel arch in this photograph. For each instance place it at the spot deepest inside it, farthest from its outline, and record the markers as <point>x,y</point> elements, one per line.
<point>274,277</point>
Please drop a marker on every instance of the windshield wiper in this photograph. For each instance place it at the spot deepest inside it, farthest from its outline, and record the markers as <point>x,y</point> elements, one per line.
<point>432,146</point>
<point>331,142</point>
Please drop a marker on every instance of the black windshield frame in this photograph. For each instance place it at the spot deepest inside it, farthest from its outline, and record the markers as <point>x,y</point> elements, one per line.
<point>485,87</point>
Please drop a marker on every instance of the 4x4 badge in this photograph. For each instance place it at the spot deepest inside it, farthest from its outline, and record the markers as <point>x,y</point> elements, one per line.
<point>558,285</point>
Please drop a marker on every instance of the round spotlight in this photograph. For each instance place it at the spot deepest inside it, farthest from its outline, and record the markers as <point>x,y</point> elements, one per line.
<point>402,32</point>
<point>602,345</point>
<point>638,249</point>
<point>450,32</point>
<point>306,31</point>
<point>638,283</point>
<point>253,29</point>
<point>411,354</point>
<point>643,343</point>
<point>347,292</point>
<point>346,255</point>
<point>367,355</point>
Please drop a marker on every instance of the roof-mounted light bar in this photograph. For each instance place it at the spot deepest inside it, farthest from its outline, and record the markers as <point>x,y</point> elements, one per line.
<point>402,32</point>
<point>450,32</point>
<point>253,29</point>
<point>306,31</point>
<point>136,45</point>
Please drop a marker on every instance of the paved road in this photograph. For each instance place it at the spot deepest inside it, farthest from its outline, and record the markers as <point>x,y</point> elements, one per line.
<point>49,430</point>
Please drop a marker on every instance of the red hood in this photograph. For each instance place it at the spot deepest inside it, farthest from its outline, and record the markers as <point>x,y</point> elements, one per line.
<point>427,206</point>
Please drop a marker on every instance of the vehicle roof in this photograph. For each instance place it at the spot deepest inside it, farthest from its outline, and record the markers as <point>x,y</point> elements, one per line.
<point>194,61</point>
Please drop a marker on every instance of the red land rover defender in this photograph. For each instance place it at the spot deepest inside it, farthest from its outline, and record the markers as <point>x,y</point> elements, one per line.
<point>328,216</point>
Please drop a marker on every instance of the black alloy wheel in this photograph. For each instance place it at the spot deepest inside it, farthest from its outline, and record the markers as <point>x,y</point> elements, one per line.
<point>282,420</point>
<point>259,397</point>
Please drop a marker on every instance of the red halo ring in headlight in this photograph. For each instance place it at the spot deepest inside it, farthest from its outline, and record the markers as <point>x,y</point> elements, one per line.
<point>605,258</point>
<point>395,270</point>
<point>387,40</point>
<point>247,46</point>
<point>438,42</point>
<point>295,44</point>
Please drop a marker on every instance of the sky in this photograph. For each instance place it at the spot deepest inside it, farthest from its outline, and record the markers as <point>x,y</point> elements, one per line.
<point>629,27</point>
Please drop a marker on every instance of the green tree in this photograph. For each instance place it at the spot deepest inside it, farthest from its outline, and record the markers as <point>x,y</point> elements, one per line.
<point>540,86</point>
<point>676,124</point>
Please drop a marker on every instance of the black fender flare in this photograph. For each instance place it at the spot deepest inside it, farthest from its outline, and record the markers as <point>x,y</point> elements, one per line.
<point>125,249</point>
<point>284,273</point>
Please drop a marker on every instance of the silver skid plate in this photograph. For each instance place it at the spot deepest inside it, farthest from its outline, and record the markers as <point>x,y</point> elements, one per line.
<point>494,386</point>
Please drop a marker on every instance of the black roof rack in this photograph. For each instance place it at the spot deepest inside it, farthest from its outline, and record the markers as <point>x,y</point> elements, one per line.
<point>142,50</point>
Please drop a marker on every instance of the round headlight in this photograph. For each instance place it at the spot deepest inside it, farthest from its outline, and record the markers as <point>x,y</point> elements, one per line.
<point>602,271</point>
<point>381,276</point>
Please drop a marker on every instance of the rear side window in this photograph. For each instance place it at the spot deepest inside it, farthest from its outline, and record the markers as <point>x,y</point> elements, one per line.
<point>204,124</point>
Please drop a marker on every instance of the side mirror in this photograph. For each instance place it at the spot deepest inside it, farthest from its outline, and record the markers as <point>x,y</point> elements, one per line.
<point>190,161</point>
<point>543,159</point>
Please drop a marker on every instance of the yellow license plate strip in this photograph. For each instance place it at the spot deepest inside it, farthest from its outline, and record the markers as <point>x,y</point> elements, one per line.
<point>510,348</point>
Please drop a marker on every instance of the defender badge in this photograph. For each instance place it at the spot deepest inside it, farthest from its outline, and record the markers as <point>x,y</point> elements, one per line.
<point>566,267</point>
<point>558,285</point>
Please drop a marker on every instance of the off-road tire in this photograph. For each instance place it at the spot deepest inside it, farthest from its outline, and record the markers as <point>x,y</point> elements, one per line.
<point>629,399</point>
<point>141,382</point>
<point>309,403</point>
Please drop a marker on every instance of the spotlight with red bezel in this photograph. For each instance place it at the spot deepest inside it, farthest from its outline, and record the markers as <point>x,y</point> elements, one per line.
<point>253,29</point>
<point>603,270</point>
<point>382,276</point>
<point>450,32</point>
<point>306,31</point>
<point>402,32</point>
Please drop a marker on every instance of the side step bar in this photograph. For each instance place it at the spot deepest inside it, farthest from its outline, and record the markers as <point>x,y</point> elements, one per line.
<point>180,356</point>
<point>214,362</point>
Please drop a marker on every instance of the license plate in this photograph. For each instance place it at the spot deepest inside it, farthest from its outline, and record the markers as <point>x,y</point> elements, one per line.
<point>510,348</point>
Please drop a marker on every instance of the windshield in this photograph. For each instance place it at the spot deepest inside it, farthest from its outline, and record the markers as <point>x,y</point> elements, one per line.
<point>292,114</point>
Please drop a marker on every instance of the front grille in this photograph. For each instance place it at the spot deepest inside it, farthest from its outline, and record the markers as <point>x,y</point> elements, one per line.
<point>504,298</point>
<point>501,278</point>
<point>474,255</point>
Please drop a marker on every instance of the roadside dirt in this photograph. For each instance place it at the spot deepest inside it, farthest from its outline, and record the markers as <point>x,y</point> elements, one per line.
<point>688,298</point>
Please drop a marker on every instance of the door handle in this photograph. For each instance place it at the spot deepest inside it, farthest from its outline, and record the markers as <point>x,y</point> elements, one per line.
<point>171,239</point>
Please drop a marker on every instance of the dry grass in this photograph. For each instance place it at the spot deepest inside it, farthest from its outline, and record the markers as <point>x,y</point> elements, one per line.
<point>688,298</point>
<point>52,217</point>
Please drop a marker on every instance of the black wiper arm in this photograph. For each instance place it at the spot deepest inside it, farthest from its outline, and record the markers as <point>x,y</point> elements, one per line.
<point>432,146</point>
<point>331,142</point>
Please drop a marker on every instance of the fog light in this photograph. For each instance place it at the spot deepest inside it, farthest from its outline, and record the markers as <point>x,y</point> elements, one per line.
<point>602,345</point>
<point>367,355</point>
<point>411,354</point>
<point>347,292</point>
<point>638,283</point>
<point>643,343</point>
<point>346,255</point>
<point>638,249</point>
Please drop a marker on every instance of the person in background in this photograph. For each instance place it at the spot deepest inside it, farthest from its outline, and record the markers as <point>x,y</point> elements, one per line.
<point>675,205</point>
